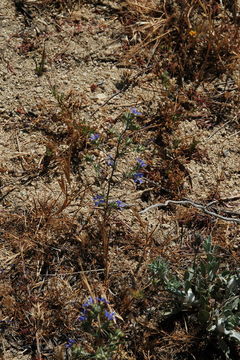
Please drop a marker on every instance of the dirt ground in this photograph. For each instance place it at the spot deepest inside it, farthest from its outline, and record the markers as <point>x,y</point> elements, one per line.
<point>82,49</point>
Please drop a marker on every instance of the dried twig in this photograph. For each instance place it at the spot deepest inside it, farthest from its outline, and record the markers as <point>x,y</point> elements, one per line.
<point>218,130</point>
<point>190,202</point>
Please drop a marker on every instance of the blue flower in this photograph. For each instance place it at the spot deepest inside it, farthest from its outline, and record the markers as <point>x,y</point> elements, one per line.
<point>84,311</point>
<point>89,302</point>
<point>82,317</point>
<point>110,161</point>
<point>94,137</point>
<point>109,315</point>
<point>120,204</point>
<point>102,299</point>
<point>134,111</point>
<point>98,200</point>
<point>137,177</point>
<point>70,343</point>
<point>141,163</point>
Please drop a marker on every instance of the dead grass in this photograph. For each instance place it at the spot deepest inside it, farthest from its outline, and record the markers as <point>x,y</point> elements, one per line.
<point>182,37</point>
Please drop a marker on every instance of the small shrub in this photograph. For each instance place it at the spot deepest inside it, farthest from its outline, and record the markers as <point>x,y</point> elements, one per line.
<point>209,292</point>
<point>97,321</point>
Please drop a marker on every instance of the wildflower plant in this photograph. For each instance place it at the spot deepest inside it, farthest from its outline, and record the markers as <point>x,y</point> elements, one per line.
<point>138,177</point>
<point>130,118</point>
<point>98,200</point>
<point>122,144</point>
<point>70,343</point>
<point>111,161</point>
<point>137,173</point>
<point>119,204</point>
<point>135,112</point>
<point>94,137</point>
<point>208,291</point>
<point>141,163</point>
<point>99,322</point>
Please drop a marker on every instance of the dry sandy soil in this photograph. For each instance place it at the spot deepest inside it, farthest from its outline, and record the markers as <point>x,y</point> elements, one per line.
<point>82,48</point>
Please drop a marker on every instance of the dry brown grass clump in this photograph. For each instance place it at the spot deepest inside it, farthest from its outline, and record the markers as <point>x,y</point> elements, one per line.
<point>192,40</point>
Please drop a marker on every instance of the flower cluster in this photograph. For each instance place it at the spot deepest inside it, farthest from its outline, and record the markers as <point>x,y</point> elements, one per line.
<point>94,137</point>
<point>99,200</point>
<point>135,112</point>
<point>138,175</point>
<point>70,343</point>
<point>141,163</point>
<point>110,160</point>
<point>94,307</point>
<point>119,204</point>
<point>97,320</point>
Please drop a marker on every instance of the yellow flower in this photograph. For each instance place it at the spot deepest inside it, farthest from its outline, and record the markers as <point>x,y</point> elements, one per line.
<point>192,33</point>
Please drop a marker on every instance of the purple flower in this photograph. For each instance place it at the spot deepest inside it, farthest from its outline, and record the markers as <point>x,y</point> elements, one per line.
<point>141,163</point>
<point>102,299</point>
<point>110,161</point>
<point>134,111</point>
<point>89,302</point>
<point>98,200</point>
<point>109,315</point>
<point>94,137</point>
<point>120,204</point>
<point>137,177</point>
<point>70,343</point>
<point>84,312</point>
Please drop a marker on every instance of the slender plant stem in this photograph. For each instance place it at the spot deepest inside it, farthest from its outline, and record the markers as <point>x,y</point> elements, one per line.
<point>107,209</point>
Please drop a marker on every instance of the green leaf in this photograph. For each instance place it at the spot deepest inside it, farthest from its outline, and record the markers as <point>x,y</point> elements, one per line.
<point>203,268</point>
<point>235,335</point>
<point>204,316</point>
<point>225,348</point>
<point>207,245</point>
